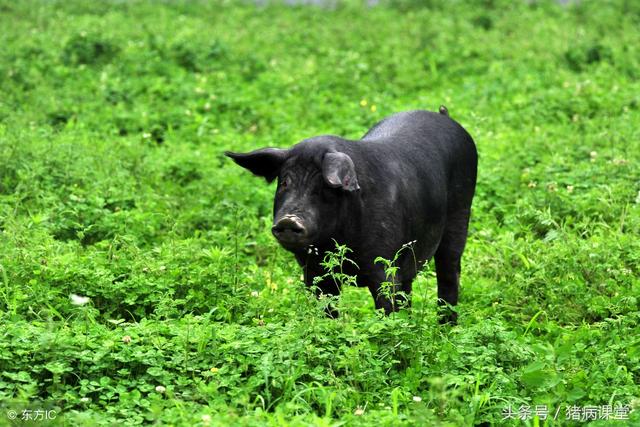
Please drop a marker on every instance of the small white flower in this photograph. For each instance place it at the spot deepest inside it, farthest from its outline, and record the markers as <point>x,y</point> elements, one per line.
<point>160,389</point>
<point>206,419</point>
<point>417,399</point>
<point>255,293</point>
<point>85,399</point>
<point>359,411</point>
<point>78,300</point>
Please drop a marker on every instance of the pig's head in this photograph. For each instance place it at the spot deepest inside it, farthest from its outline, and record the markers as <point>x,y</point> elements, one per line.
<point>314,184</point>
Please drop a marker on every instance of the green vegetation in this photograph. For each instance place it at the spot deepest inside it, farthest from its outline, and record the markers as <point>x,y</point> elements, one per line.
<point>113,119</point>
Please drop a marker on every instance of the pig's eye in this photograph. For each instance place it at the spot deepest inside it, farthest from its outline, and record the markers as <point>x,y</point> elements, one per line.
<point>284,183</point>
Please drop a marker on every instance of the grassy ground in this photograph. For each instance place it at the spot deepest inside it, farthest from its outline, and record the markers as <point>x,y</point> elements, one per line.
<point>113,186</point>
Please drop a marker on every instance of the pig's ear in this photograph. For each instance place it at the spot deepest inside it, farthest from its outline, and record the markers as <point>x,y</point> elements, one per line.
<point>265,162</point>
<point>338,171</point>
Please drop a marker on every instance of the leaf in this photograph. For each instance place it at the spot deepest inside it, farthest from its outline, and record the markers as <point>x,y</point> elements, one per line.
<point>537,375</point>
<point>576,394</point>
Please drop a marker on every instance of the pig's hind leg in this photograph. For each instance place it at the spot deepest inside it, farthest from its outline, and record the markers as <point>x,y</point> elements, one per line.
<point>447,260</point>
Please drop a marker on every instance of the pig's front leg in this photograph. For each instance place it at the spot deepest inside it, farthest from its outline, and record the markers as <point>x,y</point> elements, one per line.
<point>389,293</point>
<point>325,287</point>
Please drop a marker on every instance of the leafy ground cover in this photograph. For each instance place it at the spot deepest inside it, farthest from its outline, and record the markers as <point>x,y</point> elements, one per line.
<point>113,186</point>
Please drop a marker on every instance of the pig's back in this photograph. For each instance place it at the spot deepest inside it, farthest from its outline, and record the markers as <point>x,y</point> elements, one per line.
<point>417,127</point>
<point>435,149</point>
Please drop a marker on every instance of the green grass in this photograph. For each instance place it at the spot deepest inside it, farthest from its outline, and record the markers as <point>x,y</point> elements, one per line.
<point>113,120</point>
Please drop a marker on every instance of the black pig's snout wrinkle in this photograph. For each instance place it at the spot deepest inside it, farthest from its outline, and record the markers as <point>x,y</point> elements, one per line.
<point>289,229</point>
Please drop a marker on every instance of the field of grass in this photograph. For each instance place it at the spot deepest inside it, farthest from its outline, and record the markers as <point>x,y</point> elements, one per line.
<point>113,186</point>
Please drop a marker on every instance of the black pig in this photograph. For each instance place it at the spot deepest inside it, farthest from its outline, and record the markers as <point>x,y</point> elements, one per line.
<point>410,179</point>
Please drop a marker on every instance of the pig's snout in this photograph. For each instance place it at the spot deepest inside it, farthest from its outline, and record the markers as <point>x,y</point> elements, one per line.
<point>290,230</point>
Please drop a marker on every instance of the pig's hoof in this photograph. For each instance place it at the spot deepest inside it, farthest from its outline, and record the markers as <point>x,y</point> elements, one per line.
<point>332,313</point>
<point>446,316</point>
